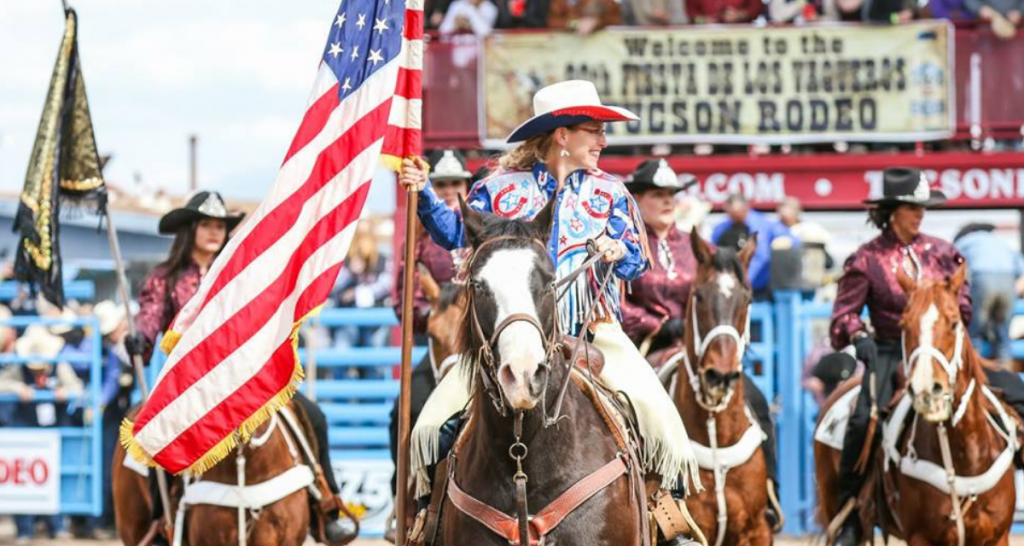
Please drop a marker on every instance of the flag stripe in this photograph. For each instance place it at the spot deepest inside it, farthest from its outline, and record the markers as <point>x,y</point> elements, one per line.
<point>405,113</point>
<point>410,84</point>
<point>314,121</point>
<point>413,25</point>
<point>228,367</point>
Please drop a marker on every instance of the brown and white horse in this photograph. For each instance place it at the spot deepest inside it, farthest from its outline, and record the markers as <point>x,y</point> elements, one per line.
<point>271,468</point>
<point>946,460</point>
<point>581,489</point>
<point>708,391</point>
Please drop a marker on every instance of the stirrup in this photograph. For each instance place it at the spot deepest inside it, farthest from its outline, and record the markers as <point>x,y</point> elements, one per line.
<point>673,518</point>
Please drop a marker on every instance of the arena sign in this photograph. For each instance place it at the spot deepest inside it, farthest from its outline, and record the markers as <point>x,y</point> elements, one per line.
<point>29,472</point>
<point>843,182</point>
<point>737,84</point>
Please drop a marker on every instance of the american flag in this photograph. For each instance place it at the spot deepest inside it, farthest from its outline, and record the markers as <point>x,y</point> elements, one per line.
<point>232,349</point>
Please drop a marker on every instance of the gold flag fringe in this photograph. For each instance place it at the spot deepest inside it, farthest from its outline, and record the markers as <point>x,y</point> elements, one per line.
<point>169,341</point>
<point>224,447</point>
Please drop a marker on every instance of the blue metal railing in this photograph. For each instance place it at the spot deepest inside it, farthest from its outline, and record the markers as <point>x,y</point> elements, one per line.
<point>73,290</point>
<point>81,470</point>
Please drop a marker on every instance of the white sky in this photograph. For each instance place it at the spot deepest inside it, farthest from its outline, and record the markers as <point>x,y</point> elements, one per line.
<point>236,73</point>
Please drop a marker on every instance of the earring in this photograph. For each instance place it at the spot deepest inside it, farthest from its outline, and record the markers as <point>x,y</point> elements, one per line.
<point>564,153</point>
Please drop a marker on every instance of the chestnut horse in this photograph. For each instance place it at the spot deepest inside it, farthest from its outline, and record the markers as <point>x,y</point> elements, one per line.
<point>272,450</point>
<point>508,443</point>
<point>708,385</point>
<point>946,463</point>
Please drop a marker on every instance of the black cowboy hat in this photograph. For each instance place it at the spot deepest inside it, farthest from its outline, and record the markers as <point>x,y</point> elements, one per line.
<point>204,204</point>
<point>654,174</point>
<point>448,164</point>
<point>909,186</point>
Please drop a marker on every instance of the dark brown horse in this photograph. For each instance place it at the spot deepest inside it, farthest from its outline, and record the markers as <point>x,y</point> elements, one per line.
<point>952,425</point>
<point>511,327</point>
<point>709,395</point>
<point>273,450</point>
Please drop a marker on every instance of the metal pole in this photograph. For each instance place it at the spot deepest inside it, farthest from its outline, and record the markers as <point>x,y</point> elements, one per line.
<point>140,375</point>
<point>193,175</point>
<point>405,392</point>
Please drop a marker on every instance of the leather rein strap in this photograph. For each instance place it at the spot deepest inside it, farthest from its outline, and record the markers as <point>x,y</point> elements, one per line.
<point>547,519</point>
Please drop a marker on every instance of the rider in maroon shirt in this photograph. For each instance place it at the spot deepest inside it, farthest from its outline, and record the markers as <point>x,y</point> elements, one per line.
<point>654,307</point>
<point>869,278</point>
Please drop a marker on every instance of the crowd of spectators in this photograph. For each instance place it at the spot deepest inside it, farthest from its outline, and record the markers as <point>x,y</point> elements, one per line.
<point>48,387</point>
<point>480,17</point>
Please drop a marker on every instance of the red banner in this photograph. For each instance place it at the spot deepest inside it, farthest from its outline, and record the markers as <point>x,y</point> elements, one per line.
<point>842,182</point>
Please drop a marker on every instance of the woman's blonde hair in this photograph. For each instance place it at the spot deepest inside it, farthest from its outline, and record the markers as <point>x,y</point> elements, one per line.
<point>534,149</point>
<point>364,247</point>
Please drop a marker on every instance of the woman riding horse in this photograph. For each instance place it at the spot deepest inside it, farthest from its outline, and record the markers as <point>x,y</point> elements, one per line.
<point>201,229</point>
<point>557,160</point>
<point>654,309</point>
<point>870,278</point>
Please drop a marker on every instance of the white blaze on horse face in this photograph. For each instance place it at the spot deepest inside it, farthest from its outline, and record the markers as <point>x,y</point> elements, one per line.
<point>923,374</point>
<point>726,284</point>
<point>507,273</point>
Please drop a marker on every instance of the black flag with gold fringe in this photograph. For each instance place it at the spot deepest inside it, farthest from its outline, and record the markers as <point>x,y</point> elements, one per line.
<point>64,172</point>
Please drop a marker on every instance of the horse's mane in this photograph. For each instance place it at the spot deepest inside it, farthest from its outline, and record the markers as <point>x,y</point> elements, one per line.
<point>726,260</point>
<point>450,293</point>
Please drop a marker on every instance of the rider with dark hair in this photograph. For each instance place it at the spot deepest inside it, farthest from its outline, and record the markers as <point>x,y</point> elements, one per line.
<point>654,309</point>
<point>870,278</point>
<point>201,229</point>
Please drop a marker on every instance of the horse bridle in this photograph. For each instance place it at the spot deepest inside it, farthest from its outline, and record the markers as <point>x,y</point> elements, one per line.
<point>700,347</point>
<point>552,344</point>
<point>552,356</point>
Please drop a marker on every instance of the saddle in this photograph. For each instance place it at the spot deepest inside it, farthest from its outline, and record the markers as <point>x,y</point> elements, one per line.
<point>654,507</point>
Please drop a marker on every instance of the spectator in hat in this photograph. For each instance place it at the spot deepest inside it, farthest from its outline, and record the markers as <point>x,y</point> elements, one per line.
<point>477,17</point>
<point>26,381</point>
<point>742,223</point>
<point>996,274</point>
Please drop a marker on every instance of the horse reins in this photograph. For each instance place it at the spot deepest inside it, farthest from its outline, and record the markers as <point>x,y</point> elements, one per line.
<point>553,514</point>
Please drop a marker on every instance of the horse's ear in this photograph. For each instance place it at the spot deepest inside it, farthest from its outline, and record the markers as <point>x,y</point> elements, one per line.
<point>473,221</point>
<point>430,288</point>
<point>906,283</point>
<point>701,250</point>
<point>543,222</point>
<point>956,282</point>
<point>747,252</point>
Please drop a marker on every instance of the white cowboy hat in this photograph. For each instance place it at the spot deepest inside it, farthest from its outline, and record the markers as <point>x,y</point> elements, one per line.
<point>567,103</point>
<point>64,327</point>
<point>110,315</point>
<point>37,341</point>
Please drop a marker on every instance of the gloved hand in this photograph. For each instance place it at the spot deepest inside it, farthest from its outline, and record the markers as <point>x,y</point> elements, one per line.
<point>134,343</point>
<point>671,330</point>
<point>867,350</point>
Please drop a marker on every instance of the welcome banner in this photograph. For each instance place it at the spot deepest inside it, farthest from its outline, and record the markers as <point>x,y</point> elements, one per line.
<point>738,85</point>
